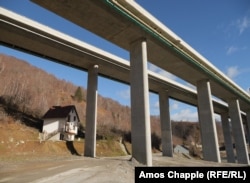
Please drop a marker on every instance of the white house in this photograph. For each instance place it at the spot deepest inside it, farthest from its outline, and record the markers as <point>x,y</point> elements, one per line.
<point>63,121</point>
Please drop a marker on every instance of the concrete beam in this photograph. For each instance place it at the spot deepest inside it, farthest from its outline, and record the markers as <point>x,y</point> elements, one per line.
<point>140,116</point>
<point>227,138</point>
<point>166,130</point>
<point>207,122</point>
<point>238,131</point>
<point>91,112</point>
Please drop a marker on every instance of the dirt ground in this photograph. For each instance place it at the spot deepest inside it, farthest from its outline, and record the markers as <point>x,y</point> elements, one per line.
<point>72,168</point>
<point>23,158</point>
<point>67,169</point>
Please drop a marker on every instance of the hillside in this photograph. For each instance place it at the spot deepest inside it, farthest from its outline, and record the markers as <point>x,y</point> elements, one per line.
<point>19,142</point>
<point>26,99</point>
<point>35,95</point>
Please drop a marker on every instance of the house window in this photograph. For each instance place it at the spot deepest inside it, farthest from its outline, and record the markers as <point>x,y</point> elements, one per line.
<point>74,118</point>
<point>68,117</point>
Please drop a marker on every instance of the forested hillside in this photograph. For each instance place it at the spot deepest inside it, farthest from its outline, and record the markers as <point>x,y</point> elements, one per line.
<point>33,91</point>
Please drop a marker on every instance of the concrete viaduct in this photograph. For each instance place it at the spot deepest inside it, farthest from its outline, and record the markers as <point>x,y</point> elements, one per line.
<point>29,36</point>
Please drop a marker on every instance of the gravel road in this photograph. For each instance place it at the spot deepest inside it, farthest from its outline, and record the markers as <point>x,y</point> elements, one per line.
<point>82,169</point>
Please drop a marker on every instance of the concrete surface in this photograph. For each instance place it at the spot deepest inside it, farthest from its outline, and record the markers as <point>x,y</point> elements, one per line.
<point>210,146</point>
<point>91,112</point>
<point>140,115</point>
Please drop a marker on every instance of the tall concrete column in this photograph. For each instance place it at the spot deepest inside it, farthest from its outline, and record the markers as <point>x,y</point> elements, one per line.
<point>91,112</point>
<point>166,130</point>
<point>248,126</point>
<point>238,131</point>
<point>140,116</point>
<point>207,122</point>
<point>245,128</point>
<point>227,138</point>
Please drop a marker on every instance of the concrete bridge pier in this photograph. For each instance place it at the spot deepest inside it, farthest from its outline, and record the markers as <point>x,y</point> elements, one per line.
<point>91,112</point>
<point>248,126</point>
<point>140,116</point>
<point>227,138</point>
<point>207,122</point>
<point>238,131</point>
<point>166,130</point>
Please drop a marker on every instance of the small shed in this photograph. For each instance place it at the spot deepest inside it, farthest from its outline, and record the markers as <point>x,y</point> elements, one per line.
<point>181,149</point>
<point>62,121</point>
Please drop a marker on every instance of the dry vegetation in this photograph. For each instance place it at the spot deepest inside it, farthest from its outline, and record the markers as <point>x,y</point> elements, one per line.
<point>19,142</point>
<point>27,92</point>
<point>33,91</point>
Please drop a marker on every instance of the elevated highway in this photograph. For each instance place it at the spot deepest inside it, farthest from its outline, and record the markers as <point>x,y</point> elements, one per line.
<point>124,21</point>
<point>26,35</point>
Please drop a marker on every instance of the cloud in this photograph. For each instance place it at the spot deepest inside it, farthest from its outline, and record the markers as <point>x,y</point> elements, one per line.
<point>154,108</point>
<point>125,94</point>
<point>160,71</point>
<point>189,115</point>
<point>156,105</point>
<point>232,72</point>
<point>231,50</point>
<point>243,24</point>
<point>175,106</point>
<point>185,115</point>
<point>240,25</point>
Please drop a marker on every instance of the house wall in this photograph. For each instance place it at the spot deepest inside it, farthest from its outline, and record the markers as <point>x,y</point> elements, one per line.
<point>52,125</point>
<point>72,117</point>
<point>62,123</point>
<point>58,125</point>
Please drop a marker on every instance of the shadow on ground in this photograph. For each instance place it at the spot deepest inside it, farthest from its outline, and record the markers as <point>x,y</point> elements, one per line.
<point>71,148</point>
<point>26,117</point>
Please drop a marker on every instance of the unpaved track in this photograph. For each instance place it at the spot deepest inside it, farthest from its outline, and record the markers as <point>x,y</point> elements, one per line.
<point>76,169</point>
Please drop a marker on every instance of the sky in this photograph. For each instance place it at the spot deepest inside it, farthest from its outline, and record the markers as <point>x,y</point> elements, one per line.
<point>218,30</point>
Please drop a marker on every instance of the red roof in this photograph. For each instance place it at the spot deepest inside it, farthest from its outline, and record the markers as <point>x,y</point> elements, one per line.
<point>59,112</point>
